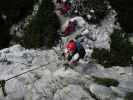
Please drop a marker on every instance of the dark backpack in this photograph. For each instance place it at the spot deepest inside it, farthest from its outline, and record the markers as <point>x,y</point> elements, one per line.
<point>80,50</point>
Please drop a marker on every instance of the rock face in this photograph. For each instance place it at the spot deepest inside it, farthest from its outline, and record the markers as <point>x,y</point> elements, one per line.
<point>126,84</point>
<point>101,92</point>
<point>52,81</point>
<point>72,92</point>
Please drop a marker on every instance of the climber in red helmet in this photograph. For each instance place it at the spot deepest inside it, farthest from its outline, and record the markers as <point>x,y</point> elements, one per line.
<point>73,52</point>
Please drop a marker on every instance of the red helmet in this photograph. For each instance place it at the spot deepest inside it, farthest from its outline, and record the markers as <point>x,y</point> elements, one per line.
<point>71,46</point>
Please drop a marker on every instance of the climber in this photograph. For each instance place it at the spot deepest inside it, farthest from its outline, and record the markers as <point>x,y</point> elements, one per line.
<point>73,52</point>
<point>65,6</point>
<point>71,27</point>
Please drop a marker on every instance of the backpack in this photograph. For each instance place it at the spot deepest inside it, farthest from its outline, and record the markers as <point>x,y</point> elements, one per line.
<point>80,50</point>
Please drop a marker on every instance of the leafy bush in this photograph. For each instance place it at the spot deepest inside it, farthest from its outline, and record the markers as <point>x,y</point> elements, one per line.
<point>16,9</point>
<point>102,56</point>
<point>42,30</point>
<point>129,96</point>
<point>4,35</point>
<point>106,81</point>
<point>96,8</point>
<point>121,51</point>
<point>12,11</point>
<point>124,8</point>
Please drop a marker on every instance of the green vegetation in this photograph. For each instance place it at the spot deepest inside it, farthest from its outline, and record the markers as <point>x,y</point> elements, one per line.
<point>96,8</point>
<point>4,35</point>
<point>106,81</point>
<point>12,11</point>
<point>121,51</point>
<point>15,10</point>
<point>102,56</point>
<point>124,8</point>
<point>129,96</point>
<point>42,30</point>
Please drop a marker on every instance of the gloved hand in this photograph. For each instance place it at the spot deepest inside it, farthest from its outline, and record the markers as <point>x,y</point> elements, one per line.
<point>73,63</point>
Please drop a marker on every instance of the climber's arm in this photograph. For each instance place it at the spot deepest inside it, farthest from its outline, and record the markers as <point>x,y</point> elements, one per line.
<point>74,59</point>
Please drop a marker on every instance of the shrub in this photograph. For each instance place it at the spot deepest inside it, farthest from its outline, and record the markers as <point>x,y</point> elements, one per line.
<point>86,7</point>
<point>4,34</point>
<point>121,51</point>
<point>129,96</point>
<point>102,56</point>
<point>16,9</point>
<point>13,11</point>
<point>125,16</point>
<point>42,30</point>
<point>106,81</point>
